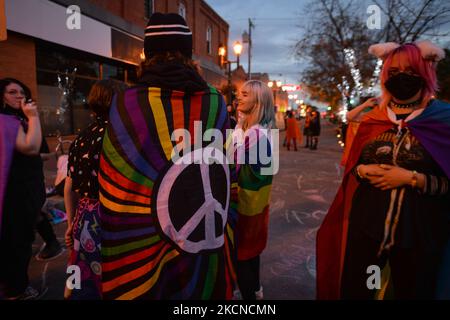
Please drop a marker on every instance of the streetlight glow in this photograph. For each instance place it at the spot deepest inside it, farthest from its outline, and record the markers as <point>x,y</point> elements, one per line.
<point>270,84</point>
<point>237,48</point>
<point>279,83</point>
<point>222,51</point>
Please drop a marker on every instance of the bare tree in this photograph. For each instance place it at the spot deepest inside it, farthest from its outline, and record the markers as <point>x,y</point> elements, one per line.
<point>409,20</point>
<point>335,25</point>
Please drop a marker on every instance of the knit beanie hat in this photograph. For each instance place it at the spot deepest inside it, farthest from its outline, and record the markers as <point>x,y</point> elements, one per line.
<point>167,32</point>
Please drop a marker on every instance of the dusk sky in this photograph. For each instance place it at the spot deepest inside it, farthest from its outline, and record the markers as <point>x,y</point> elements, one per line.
<point>274,34</point>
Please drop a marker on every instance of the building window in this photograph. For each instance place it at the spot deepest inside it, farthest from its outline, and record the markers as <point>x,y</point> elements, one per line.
<point>57,66</point>
<point>182,10</point>
<point>208,40</point>
<point>148,8</point>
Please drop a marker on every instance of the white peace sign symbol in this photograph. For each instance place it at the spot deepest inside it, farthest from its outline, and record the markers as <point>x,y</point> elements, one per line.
<point>207,210</point>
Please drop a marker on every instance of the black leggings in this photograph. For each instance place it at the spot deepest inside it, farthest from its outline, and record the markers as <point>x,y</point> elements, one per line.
<point>45,229</point>
<point>248,277</point>
<point>21,207</point>
<point>413,271</point>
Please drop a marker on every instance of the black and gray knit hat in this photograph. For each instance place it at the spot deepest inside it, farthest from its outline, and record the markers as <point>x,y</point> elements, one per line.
<point>167,32</point>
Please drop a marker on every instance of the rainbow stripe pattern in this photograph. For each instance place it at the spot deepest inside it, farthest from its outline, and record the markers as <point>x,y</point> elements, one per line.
<point>139,260</point>
<point>253,197</point>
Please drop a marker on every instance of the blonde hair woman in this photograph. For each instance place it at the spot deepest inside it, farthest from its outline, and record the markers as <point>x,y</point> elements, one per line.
<point>255,105</point>
<point>256,118</point>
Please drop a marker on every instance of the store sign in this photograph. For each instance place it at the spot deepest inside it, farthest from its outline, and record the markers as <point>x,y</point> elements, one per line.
<point>290,87</point>
<point>50,21</point>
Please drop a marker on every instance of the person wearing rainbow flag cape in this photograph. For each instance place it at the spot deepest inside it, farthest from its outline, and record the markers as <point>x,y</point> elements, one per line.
<point>167,224</point>
<point>392,211</point>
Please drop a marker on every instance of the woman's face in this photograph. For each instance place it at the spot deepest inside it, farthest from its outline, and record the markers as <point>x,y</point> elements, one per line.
<point>400,64</point>
<point>13,95</point>
<point>404,84</point>
<point>246,101</point>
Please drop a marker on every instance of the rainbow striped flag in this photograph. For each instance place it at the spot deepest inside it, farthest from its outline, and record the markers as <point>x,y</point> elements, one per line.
<point>254,192</point>
<point>166,226</point>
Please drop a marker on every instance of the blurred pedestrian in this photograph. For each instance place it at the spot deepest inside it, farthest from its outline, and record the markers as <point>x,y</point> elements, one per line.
<point>254,185</point>
<point>307,128</point>
<point>293,133</point>
<point>392,210</point>
<point>165,210</point>
<point>314,129</point>
<point>82,193</point>
<point>22,188</point>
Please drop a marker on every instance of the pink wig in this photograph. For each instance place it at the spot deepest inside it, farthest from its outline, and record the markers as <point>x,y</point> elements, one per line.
<point>409,54</point>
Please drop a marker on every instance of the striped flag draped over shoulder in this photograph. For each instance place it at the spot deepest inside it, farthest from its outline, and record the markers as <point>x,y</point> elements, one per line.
<point>166,227</point>
<point>253,155</point>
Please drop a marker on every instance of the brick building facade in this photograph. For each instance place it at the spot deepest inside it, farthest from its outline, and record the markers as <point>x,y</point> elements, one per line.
<point>41,48</point>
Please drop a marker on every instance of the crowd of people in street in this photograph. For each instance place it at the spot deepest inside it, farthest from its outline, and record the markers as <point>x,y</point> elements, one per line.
<point>141,226</point>
<point>133,228</point>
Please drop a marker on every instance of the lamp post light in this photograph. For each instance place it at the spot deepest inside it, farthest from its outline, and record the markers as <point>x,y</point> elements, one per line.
<point>237,48</point>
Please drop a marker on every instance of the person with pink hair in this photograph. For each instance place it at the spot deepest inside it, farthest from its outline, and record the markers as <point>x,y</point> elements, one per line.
<point>391,214</point>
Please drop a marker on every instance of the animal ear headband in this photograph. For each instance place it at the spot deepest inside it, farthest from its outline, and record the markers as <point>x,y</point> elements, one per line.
<point>428,50</point>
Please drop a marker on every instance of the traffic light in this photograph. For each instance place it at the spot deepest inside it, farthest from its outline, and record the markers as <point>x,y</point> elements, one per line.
<point>3,34</point>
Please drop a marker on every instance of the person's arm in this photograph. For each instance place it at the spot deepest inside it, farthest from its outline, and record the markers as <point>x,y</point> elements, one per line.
<point>356,113</point>
<point>70,202</point>
<point>29,143</point>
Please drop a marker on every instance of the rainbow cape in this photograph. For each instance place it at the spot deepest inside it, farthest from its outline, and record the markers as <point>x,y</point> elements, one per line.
<point>431,128</point>
<point>254,192</point>
<point>167,227</point>
<point>9,127</point>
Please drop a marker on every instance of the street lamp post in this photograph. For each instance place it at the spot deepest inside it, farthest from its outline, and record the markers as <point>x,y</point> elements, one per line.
<point>237,48</point>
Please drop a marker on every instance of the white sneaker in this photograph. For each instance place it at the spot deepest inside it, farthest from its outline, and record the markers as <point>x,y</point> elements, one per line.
<point>259,294</point>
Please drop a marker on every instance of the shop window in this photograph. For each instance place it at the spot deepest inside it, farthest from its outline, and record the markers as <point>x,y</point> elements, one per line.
<point>48,58</point>
<point>209,40</point>
<point>113,72</point>
<point>53,61</point>
<point>56,116</point>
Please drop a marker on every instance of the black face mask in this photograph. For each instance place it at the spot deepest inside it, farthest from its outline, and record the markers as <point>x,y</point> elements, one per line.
<point>404,86</point>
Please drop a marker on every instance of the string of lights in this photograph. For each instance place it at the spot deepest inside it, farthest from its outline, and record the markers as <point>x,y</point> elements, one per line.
<point>350,59</point>
<point>375,78</point>
<point>344,88</point>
